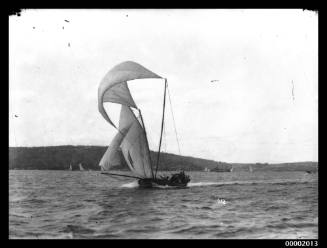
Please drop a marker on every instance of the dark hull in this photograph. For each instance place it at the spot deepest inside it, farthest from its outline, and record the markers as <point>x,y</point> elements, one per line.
<point>144,183</point>
<point>163,182</point>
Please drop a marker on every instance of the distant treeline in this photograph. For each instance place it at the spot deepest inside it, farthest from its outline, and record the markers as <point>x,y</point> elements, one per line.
<point>60,157</point>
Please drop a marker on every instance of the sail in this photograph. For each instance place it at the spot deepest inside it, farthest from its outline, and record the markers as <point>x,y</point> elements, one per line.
<point>112,156</point>
<point>81,167</point>
<point>113,87</point>
<point>131,137</point>
<point>135,149</point>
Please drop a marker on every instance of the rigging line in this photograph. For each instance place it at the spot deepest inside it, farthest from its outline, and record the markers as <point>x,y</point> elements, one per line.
<point>172,113</point>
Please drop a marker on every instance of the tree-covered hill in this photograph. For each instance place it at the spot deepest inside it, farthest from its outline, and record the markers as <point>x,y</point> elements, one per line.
<point>60,157</point>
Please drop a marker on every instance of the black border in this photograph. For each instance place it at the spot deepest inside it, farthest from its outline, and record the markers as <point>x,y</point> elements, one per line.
<point>228,242</point>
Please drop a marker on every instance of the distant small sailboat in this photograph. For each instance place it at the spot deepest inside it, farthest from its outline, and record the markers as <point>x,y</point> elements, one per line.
<point>231,170</point>
<point>80,167</point>
<point>131,137</point>
<point>70,167</point>
<point>250,169</point>
<point>206,169</point>
<point>310,172</point>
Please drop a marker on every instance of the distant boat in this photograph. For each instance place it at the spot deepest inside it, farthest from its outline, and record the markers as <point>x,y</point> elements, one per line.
<point>81,167</point>
<point>231,170</point>
<point>206,169</point>
<point>250,169</point>
<point>70,167</point>
<point>131,129</point>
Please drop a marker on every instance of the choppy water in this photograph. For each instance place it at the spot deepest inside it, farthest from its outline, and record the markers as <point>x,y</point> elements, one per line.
<point>74,204</point>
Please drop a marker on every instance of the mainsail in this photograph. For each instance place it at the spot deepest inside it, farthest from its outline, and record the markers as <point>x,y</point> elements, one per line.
<point>135,149</point>
<point>112,156</point>
<point>131,136</point>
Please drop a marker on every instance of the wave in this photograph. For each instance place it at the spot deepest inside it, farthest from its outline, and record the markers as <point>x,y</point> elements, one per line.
<point>130,185</point>
<point>134,184</point>
<point>292,225</point>
<point>281,182</point>
<point>42,236</point>
<point>20,215</point>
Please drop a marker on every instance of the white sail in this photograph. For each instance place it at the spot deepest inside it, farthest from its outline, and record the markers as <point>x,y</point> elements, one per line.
<point>81,167</point>
<point>113,87</point>
<point>70,167</point>
<point>112,157</point>
<point>131,137</point>
<point>250,169</point>
<point>135,150</point>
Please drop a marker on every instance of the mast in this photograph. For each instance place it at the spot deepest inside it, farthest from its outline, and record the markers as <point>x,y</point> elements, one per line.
<point>146,139</point>
<point>162,125</point>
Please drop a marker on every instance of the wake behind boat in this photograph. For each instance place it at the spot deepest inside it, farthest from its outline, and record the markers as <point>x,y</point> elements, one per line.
<point>132,137</point>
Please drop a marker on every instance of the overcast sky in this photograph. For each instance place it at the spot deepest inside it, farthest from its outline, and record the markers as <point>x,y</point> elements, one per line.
<point>263,108</point>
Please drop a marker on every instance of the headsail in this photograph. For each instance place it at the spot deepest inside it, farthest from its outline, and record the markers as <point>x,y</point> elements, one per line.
<point>112,157</point>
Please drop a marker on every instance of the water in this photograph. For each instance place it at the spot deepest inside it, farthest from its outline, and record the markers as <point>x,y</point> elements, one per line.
<point>74,204</point>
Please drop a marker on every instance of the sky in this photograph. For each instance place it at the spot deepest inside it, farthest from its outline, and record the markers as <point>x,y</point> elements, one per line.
<point>262,106</point>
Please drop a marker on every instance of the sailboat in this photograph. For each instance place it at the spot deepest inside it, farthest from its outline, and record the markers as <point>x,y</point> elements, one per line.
<point>231,170</point>
<point>250,169</point>
<point>70,167</point>
<point>80,167</point>
<point>131,135</point>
